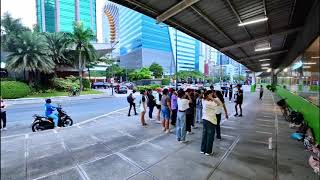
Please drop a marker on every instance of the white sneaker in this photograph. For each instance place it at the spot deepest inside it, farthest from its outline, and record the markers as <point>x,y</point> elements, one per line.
<point>207,154</point>
<point>190,133</point>
<point>4,129</point>
<point>159,122</point>
<point>201,152</point>
<point>184,141</point>
<point>167,131</point>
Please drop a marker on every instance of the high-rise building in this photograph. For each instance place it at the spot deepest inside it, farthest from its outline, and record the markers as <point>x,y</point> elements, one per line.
<point>60,15</point>
<point>143,42</point>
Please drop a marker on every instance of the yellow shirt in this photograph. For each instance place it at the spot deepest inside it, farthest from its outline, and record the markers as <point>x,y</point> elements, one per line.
<point>209,111</point>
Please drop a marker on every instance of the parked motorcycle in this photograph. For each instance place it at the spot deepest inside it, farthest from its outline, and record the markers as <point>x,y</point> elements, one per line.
<point>41,123</point>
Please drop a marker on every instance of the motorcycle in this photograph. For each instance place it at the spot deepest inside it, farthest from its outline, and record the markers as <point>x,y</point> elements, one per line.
<point>41,123</point>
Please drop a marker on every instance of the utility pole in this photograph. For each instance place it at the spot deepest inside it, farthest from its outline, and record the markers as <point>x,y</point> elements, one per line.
<point>176,59</point>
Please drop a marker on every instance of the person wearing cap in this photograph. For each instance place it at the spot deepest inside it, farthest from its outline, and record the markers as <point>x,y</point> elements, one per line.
<point>239,100</point>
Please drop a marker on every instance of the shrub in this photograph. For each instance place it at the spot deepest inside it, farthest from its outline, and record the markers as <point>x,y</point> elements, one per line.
<point>65,83</point>
<point>86,83</point>
<point>165,81</point>
<point>14,89</point>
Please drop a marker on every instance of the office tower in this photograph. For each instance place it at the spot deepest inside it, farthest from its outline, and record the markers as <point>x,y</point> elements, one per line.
<point>60,15</point>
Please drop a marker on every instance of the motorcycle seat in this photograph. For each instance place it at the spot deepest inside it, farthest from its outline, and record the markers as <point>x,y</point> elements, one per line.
<point>39,116</point>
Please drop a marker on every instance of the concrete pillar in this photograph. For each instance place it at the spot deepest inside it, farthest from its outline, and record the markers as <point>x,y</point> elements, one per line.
<point>57,15</point>
<point>43,16</point>
<point>77,10</point>
<point>274,78</point>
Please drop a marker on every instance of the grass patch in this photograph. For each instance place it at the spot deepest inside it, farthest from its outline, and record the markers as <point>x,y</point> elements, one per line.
<point>61,93</point>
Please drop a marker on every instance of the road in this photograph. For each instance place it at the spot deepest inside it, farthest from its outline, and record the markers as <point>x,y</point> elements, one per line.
<point>19,117</point>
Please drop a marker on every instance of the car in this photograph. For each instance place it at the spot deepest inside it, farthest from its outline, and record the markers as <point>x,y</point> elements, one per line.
<point>122,90</point>
<point>97,85</point>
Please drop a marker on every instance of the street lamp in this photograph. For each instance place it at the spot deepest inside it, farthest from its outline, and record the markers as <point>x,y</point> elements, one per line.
<point>112,46</point>
<point>176,53</point>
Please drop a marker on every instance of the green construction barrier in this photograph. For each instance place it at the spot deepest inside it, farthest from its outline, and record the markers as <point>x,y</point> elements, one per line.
<point>310,111</point>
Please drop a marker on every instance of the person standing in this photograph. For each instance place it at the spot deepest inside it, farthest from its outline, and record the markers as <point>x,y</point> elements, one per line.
<point>219,110</point>
<point>131,100</point>
<point>174,107</point>
<point>183,104</point>
<point>230,92</point>
<point>158,97</point>
<point>3,115</point>
<point>190,112</point>
<point>165,110</point>
<point>143,107</point>
<point>239,100</point>
<point>261,92</point>
<point>198,107</point>
<point>151,103</point>
<point>209,123</point>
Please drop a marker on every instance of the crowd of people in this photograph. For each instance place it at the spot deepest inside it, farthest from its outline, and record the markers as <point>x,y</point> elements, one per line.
<point>185,109</point>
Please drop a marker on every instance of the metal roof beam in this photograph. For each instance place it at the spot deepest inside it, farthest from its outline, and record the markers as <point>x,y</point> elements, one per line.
<point>279,33</point>
<point>263,55</point>
<point>238,17</point>
<point>175,10</point>
<point>265,13</point>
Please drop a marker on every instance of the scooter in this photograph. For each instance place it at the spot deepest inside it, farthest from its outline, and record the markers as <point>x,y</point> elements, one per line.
<point>41,123</point>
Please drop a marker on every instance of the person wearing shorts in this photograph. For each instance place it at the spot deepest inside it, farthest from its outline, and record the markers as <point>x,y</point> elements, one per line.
<point>165,110</point>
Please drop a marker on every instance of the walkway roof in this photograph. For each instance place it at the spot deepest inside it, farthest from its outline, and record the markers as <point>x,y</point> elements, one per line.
<point>215,22</point>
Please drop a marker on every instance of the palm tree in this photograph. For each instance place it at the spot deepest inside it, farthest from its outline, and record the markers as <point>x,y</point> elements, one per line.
<point>10,29</point>
<point>81,39</point>
<point>59,45</point>
<point>31,54</point>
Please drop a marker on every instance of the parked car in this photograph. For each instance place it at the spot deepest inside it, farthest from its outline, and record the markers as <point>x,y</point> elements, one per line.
<point>122,90</point>
<point>97,85</point>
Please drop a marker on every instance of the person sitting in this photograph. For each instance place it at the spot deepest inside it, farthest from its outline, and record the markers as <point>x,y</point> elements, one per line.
<point>49,112</point>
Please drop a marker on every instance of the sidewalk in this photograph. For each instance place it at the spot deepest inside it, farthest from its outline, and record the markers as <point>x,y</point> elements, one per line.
<point>117,147</point>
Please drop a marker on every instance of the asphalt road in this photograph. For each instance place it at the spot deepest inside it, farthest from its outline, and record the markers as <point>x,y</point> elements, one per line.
<point>19,117</point>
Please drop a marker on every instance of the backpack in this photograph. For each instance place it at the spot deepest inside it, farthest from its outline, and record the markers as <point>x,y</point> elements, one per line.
<point>130,99</point>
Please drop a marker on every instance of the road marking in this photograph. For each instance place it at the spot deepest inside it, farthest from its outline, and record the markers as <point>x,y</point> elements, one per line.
<point>264,120</point>
<point>262,132</point>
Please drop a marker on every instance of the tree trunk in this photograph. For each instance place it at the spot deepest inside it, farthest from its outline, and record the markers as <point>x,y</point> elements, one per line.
<point>30,78</point>
<point>89,74</point>
<point>80,71</point>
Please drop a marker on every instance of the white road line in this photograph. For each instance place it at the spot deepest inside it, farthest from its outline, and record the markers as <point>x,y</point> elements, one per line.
<point>264,120</point>
<point>262,132</point>
<point>264,125</point>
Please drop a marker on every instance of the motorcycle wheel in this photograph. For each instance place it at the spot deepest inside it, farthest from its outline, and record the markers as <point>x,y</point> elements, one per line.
<point>36,127</point>
<point>67,122</point>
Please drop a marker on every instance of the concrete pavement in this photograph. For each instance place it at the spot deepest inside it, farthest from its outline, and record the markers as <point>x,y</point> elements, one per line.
<point>117,147</point>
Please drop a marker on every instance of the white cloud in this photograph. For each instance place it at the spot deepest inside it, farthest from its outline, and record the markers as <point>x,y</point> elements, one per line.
<point>23,9</point>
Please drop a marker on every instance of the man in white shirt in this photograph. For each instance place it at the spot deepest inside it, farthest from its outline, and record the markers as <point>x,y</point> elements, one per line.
<point>183,105</point>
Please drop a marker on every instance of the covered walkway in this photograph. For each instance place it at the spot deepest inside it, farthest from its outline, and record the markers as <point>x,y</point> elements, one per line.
<point>116,147</point>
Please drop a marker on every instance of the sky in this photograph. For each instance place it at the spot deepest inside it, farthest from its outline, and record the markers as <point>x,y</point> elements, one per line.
<point>23,9</point>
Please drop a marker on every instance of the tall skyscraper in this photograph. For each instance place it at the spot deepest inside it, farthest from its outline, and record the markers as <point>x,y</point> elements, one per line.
<point>143,42</point>
<point>60,15</point>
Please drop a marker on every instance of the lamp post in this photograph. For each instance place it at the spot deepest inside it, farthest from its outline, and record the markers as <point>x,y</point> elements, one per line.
<point>112,46</point>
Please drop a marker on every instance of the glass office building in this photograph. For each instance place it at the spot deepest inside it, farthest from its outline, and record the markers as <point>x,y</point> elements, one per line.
<point>60,15</point>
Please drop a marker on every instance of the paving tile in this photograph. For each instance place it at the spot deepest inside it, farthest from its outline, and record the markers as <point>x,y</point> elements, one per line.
<point>110,168</point>
<point>71,174</point>
<point>90,153</point>
<point>141,176</point>
<point>50,163</point>
<point>146,155</point>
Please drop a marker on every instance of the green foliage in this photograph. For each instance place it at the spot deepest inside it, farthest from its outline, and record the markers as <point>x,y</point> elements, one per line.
<point>272,88</point>
<point>58,43</point>
<point>153,87</point>
<point>192,74</point>
<point>31,54</point>
<point>98,73</point>
<point>65,83</point>
<point>10,29</point>
<point>156,70</point>
<point>86,84</point>
<point>239,78</point>
<point>314,88</point>
<point>143,73</point>
<point>165,81</point>
<point>14,89</point>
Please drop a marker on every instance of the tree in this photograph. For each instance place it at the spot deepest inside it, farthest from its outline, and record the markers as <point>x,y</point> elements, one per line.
<point>31,54</point>
<point>156,70</point>
<point>143,73</point>
<point>81,39</point>
<point>10,29</point>
<point>59,44</point>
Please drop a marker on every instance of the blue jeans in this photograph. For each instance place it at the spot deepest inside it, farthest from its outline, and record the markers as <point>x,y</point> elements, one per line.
<point>181,126</point>
<point>55,118</point>
<point>199,115</point>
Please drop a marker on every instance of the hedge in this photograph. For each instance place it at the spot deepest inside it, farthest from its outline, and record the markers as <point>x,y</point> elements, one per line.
<point>14,89</point>
<point>153,87</point>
